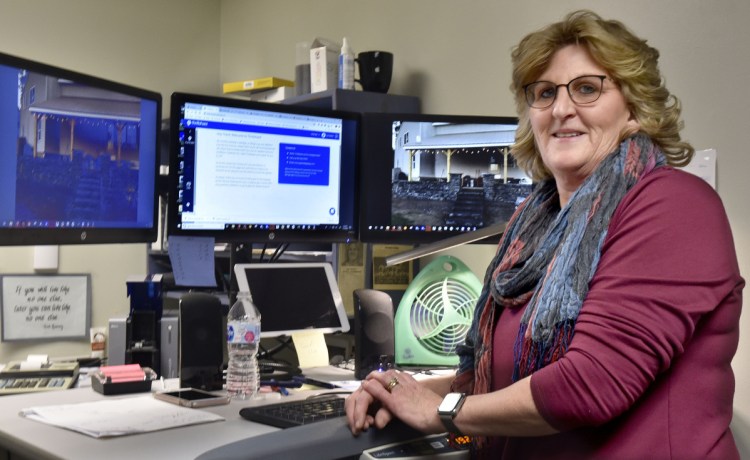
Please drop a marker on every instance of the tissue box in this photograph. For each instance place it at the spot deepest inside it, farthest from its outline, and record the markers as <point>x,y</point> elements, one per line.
<point>324,65</point>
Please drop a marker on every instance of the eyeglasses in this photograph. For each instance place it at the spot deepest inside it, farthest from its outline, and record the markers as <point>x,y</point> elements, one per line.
<point>582,90</point>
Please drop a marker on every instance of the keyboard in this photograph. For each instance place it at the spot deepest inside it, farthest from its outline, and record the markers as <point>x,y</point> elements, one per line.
<point>26,385</point>
<point>295,413</point>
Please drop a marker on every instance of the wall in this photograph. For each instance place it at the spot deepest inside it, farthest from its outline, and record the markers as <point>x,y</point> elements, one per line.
<point>163,46</point>
<point>455,56</point>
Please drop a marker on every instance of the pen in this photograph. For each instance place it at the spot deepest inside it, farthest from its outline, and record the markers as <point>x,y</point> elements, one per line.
<point>281,383</point>
<point>282,390</point>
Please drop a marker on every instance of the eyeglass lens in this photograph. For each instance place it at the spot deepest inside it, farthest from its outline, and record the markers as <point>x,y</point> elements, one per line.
<point>582,90</point>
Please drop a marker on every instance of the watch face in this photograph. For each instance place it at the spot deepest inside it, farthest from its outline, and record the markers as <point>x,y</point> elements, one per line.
<point>449,402</point>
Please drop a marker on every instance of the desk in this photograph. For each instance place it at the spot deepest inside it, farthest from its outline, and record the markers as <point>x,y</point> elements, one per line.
<point>21,438</point>
<point>35,440</point>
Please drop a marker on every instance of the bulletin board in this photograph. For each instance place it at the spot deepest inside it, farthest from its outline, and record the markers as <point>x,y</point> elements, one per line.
<point>35,307</point>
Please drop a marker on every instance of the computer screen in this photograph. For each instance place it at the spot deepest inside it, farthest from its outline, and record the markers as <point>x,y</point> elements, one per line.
<point>78,157</point>
<point>254,172</point>
<point>426,177</point>
<point>294,297</point>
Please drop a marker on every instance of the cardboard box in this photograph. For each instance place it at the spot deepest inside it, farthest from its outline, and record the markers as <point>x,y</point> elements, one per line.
<point>324,64</point>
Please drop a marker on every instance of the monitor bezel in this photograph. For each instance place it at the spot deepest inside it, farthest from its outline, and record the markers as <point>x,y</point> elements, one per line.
<point>25,236</point>
<point>243,286</point>
<point>375,137</point>
<point>264,236</point>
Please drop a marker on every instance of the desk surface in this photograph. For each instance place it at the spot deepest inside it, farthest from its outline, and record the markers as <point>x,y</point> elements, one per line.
<point>38,440</point>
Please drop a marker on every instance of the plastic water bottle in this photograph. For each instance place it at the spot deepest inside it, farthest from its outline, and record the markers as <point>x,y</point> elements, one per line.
<point>243,338</point>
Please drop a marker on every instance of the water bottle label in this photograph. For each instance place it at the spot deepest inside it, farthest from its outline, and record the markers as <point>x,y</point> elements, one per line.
<point>238,332</point>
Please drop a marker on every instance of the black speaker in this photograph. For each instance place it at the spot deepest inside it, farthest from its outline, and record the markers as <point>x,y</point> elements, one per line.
<point>373,332</point>
<point>202,341</point>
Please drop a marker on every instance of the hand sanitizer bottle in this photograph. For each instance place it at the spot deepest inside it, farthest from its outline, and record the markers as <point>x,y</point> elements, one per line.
<point>346,67</point>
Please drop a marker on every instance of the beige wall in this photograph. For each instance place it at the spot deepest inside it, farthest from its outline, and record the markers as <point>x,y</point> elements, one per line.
<point>164,46</point>
<point>452,53</point>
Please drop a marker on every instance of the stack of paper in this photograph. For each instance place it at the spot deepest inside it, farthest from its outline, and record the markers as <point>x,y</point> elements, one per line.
<point>118,417</point>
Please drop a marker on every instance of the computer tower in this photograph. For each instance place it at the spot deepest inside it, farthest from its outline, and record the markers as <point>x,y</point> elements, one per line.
<point>143,340</point>
<point>117,341</point>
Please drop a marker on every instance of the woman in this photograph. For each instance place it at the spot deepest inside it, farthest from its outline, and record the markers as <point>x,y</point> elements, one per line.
<point>610,313</point>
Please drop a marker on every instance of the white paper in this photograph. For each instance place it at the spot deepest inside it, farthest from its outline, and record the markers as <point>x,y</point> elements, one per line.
<point>192,259</point>
<point>30,366</point>
<point>41,359</point>
<point>118,417</point>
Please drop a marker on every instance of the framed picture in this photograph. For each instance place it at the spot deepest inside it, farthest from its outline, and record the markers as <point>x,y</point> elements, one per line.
<point>396,277</point>
<point>45,307</point>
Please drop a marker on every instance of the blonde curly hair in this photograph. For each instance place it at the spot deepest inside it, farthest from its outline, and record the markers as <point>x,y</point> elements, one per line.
<point>628,60</point>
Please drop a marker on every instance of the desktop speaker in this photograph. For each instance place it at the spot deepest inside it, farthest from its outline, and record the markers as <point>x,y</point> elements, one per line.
<point>373,332</point>
<point>202,341</point>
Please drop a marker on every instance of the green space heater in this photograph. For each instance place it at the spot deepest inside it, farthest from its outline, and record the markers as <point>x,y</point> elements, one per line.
<point>435,313</point>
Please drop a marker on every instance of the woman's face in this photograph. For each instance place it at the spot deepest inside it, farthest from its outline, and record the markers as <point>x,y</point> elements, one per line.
<point>573,139</point>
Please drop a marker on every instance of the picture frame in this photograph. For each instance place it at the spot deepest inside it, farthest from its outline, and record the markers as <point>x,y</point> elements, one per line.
<point>45,307</point>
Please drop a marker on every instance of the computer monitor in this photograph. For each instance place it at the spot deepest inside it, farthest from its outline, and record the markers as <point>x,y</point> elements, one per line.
<point>427,177</point>
<point>294,297</point>
<point>253,172</point>
<point>78,157</point>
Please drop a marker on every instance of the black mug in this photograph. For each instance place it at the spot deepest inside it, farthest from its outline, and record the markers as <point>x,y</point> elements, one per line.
<point>375,70</point>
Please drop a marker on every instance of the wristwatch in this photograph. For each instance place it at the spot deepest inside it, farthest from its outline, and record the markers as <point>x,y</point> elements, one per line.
<point>448,409</point>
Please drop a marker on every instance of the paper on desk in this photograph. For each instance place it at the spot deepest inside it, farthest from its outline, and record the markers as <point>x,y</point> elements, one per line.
<point>119,417</point>
<point>192,259</point>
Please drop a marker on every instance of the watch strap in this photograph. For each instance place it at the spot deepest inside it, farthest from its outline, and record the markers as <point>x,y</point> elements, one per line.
<point>451,427</point>
<point>447,416</point>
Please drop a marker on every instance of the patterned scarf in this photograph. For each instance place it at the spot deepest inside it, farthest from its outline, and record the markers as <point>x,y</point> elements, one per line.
<point>546,260</point>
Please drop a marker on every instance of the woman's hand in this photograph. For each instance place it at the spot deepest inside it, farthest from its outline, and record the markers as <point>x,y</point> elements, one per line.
<point>360,408</point>
<point>385,395</point>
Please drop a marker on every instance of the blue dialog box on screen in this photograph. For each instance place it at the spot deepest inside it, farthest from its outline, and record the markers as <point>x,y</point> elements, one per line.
<point>304,164</point>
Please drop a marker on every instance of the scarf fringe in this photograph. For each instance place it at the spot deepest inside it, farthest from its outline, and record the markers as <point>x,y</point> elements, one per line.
<point>532,355</point>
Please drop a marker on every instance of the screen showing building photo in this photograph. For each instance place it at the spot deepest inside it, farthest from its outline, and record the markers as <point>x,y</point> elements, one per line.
<point>453,177</point>
<point>77,154</point>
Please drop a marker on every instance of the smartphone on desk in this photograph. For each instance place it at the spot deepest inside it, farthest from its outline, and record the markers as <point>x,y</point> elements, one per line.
<point>192,397</point>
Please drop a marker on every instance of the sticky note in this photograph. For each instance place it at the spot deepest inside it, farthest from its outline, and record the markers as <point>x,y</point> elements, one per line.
<point>311,347</point>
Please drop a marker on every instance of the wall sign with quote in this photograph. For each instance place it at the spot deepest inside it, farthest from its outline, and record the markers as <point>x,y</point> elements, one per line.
<point>45,307</point>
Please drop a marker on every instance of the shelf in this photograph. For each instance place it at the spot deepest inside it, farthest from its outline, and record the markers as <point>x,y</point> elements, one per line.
<point>358,101</point>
